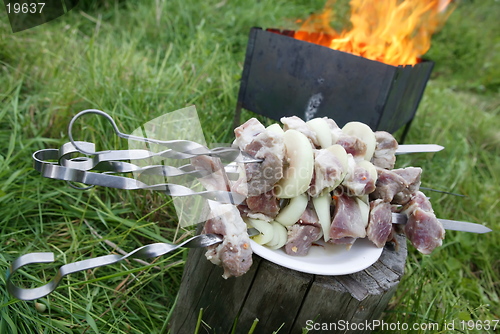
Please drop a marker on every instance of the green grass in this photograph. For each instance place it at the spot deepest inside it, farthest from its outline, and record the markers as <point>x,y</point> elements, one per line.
<point>138,61</point>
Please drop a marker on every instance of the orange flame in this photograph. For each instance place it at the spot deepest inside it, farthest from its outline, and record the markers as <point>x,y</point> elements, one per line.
<point>394,32</point>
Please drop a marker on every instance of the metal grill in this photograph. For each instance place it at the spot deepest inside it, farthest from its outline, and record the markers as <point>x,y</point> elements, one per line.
<point>283,76</point>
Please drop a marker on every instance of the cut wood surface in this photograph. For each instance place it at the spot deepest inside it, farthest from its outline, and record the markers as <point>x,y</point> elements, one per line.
<point>282,298</point>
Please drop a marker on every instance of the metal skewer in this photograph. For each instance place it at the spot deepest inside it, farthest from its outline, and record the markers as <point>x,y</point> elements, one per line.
<point>179,149</point>
<point>54,171</point>
<point>144,252</point>
<point>455,225</point>
<point>418,148</point>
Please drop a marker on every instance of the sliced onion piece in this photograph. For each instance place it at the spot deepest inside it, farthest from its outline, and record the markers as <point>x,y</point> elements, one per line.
<point>322,130</point>
<point>280,236</point>
<point>365,210</point>
<point>291,213</point>
<point>322,207</point>
<point>276,128</point>
<point>297,176</point>
<point>340,153</point>
<point>365,198</point>
<point>266,231</point>
<point>363,132</point>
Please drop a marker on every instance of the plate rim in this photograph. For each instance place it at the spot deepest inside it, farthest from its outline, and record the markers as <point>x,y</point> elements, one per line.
<point>294,262</point>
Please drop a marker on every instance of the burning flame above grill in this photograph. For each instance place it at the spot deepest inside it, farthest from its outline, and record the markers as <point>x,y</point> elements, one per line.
<point>394,32</point>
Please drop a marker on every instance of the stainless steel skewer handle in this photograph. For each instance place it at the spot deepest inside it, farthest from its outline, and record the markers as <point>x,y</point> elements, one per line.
<point>177,149</point>
<point>51,170</point>
<point>144,252</point>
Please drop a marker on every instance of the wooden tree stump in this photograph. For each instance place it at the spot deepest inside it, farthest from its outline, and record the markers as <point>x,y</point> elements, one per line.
<point>282,298</point>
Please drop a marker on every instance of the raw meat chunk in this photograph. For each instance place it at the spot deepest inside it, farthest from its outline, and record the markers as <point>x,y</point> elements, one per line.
<point>265,203</point>
<point>234,253</point>
<point>334,129</point>
<point>417,201</point>
<point>411,176</point>
<point>384,156</point>
<point>347,220</point>
<point>304,233</point>
<point>309,216</point>
<point>412,179</point>
<point>246,132</point>
<point>424,231</point>
<point>388,185</point>
<point>328,172</point>
<point>352,145</point>
<point>298,124</point>
<point>262,176</point>
<point>254,139</point>
<point>300,238</point>
<point>380,222</point>
<point>358,181</point>
<point>217,179</point>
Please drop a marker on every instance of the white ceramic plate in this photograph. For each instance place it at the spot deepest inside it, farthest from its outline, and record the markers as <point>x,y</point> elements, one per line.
<point>326,259</point>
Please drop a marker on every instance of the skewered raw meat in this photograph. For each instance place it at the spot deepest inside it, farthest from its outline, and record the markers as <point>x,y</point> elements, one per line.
<point>412,179</point>
<point>217,178</point>
<point>304,233</point>
<point>388,185</point>
<point>265,203</point>
<point>335,131</point>
<point>234,253</point>
<point>418,201</point>
<point>423,229</point>
<point>384,156</point>
<point>307,163</point>
<point>300,238</point>
<point>328,172</point>
<point>357,177</point>
<point>298,124</point>
<point>412,176</point>
<point>246,132</point>
<point>380,222</point>
<point>353,146</point>
<point>359,180</point>
<point>260,143</point>
<point>348,222</point>
<point>397,185</point>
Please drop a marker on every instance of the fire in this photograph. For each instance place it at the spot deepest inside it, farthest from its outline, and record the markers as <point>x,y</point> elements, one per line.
<point>394,32</point>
